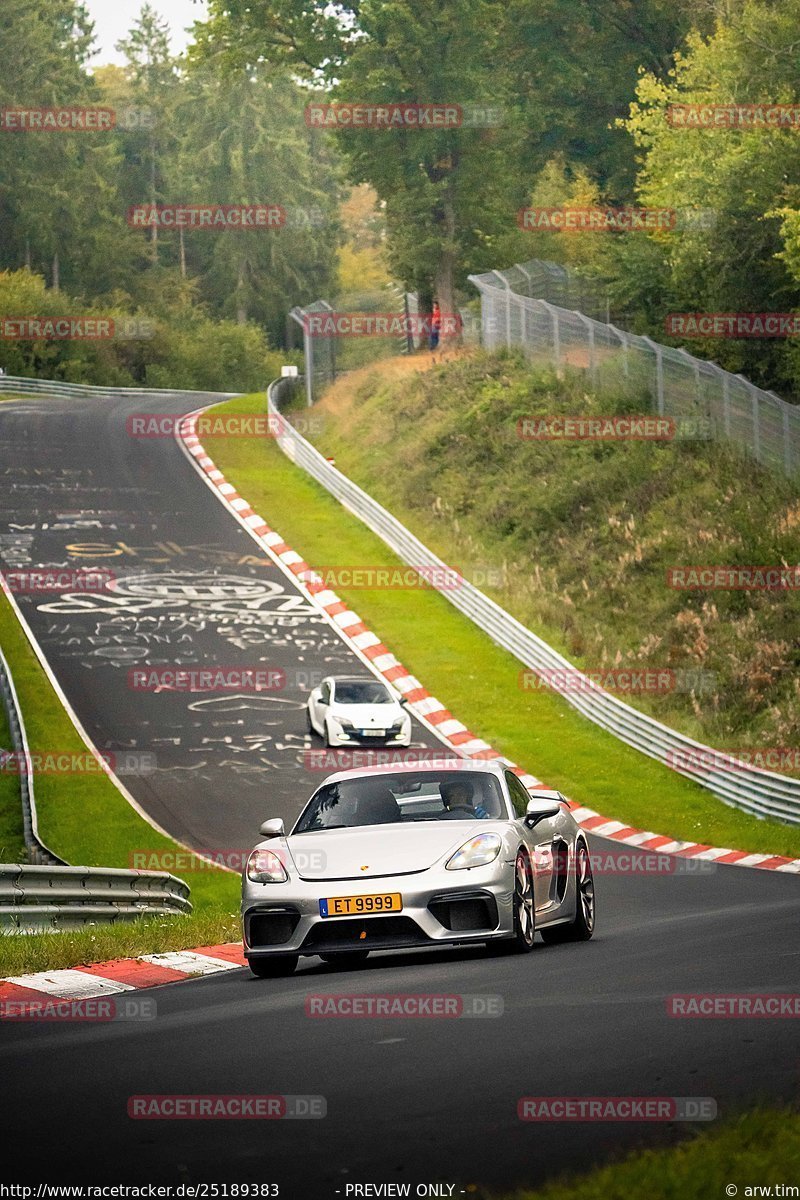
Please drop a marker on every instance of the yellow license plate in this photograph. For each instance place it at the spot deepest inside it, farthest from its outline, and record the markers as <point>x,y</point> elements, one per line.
<point>359,906</point>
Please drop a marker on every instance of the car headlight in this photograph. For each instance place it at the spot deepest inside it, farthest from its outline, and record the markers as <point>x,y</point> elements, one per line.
<point>345,724</point>
<point>477,852</point>
<point>264,866</point>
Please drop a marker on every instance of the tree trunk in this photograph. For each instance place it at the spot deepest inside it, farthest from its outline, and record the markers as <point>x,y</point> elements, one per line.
<point>183,253</point>
<point>153,197</point>
<point>27,254</point>
<point>56,273</point>
<point>241,304</point>
<point>424,306</point>
<point>445,268</point>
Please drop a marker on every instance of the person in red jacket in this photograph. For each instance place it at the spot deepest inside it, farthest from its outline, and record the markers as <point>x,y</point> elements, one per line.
<point>436,325</point>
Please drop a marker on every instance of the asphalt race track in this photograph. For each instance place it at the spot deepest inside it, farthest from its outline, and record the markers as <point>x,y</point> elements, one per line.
<point>409,1101</point>
<point>190,588</point>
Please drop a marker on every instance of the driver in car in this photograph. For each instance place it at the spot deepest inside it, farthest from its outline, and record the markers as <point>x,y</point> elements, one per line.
<point>457,797</point>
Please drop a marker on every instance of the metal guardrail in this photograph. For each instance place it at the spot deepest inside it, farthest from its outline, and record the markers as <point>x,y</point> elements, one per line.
<point>18,385</point>
<point>762,793</point>
<point>34,899</point>
<point>38,852</point>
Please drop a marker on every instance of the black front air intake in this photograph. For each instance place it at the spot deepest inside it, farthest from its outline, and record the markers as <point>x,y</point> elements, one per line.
<point>270,927</point>
<point>373,933</point>
<point>465,914</point>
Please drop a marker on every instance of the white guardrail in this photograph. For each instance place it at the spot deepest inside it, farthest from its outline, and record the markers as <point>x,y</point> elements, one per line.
<point>762,793</point>
<point>50,895</point>
<point>17,385</point>
<point>36,899</point>
<point>38,852</point>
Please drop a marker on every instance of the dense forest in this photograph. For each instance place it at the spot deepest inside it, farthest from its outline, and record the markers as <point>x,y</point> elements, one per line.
<point>561,104</point>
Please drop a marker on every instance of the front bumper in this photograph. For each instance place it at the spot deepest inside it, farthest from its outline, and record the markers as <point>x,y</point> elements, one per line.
<point>285,918</point>
<point>357,737</point>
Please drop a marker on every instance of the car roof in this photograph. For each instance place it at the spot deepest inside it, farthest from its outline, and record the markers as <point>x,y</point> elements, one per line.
<point>353,679</point>
<point>477,766</point>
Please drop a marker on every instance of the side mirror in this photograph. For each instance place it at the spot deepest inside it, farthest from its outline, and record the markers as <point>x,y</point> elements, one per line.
<point>539,810</point>
<point>273,828</point>
<point>403,702</point>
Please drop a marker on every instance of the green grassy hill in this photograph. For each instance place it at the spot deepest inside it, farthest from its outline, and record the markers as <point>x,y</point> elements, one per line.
<point>576,538</point>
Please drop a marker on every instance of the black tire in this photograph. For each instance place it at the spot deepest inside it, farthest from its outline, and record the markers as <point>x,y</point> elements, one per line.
<point>273,967</point>
<point>325,735</point>
<point>581,927</point>
<point>346,958</point>
<point>524,912</point>
<point>309,726</point>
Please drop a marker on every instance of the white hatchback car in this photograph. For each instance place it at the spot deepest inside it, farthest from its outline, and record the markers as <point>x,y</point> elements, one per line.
<point>348,710</point>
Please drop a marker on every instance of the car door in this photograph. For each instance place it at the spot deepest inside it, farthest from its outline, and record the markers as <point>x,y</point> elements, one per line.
<point>539,841</point>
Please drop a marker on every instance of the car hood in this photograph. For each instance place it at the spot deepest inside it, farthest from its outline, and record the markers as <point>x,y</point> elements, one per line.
<point>368,716</point>
<point>378,849</point>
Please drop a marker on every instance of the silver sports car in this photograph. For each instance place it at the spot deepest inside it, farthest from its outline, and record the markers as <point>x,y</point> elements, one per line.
<point>419,854</point>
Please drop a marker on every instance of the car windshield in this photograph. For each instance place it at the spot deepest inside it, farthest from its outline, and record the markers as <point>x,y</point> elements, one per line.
<point>403,798</point>
<point>361,691</point>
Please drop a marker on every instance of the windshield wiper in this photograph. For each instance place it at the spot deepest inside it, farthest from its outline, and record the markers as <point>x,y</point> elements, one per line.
<point>323,828</point>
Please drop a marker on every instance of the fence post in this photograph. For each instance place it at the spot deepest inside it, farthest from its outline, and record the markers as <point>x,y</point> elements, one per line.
<point>756,422</point>
<point>553,313</point>
<point>726,403</point>
<point>527,275</point>
<point>624,343</point>
<point>658,351</point>
<point>787,441</point>
<point>299,314</point>
<point>588,325</point>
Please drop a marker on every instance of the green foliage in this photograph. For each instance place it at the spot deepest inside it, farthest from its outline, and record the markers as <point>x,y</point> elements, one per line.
<point>559,75</point>
<point>583,533</point>
<point>186,133</point>
<point>183,346</point>
<point>743,1151</point>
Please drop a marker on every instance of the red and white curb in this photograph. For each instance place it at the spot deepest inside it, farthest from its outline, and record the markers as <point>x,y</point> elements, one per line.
<point>426,707</point>
<point>119,975</point>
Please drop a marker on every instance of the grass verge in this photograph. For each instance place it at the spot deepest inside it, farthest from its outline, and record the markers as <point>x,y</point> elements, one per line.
<point>12,837</point>
<point>208,925</point>
<point>758,1149</point>
<point>578,538</point>
<point>476,679</point>
<point>87,821</point>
